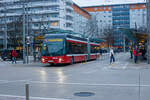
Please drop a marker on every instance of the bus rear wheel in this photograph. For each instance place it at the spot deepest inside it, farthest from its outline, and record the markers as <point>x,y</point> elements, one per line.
<point>85,59</point>
<point>52,64</point>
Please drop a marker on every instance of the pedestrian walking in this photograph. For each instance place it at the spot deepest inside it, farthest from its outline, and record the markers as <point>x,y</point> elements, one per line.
<point>143,53</point>
<point>136,54</point>
<point>131,53</point>
<point>112,58</point>
<point>14,55</point>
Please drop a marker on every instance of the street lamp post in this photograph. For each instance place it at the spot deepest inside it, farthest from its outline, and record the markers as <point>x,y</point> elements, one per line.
<point>148,30</point>
<point>24,25</point>
<point>5,24</point>
<point>28,43</point>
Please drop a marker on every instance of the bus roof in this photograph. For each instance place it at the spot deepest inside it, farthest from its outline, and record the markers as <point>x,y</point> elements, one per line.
<point>70,34</point>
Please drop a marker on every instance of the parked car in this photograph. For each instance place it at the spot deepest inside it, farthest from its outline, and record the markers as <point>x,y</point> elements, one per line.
<point>6,55</point>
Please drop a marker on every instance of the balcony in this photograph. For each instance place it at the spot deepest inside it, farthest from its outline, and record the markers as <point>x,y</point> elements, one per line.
<point>45,3</point>
<point>45,19</point>
<point>43,11</point>
<point>69,28</point>
<point>120,9</point>
<point>69,7</point>
<point>11,14</point>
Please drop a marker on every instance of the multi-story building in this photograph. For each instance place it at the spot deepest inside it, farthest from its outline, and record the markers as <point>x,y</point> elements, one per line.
<point>119,16</point>
<point>81,19</point>
<point>102,15</point>
<point>43,15</point>
<point>138,13</point>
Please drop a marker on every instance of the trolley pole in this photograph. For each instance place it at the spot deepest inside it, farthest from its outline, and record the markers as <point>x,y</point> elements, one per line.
<point>23,42</point>
<point>148,30</point>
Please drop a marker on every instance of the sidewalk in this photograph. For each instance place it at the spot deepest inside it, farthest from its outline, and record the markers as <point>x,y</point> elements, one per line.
<point>20,62</point>
<point>123,61</point>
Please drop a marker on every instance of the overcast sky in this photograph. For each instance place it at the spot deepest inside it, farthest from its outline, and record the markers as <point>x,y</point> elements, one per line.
<point>103,2</point>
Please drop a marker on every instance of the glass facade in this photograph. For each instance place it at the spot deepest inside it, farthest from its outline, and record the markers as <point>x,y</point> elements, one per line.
<point>121,19</point>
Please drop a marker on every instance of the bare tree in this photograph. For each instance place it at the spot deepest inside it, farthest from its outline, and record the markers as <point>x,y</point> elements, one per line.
<point>108,35</point>
<point>15,32</point>
<point>91,28</point>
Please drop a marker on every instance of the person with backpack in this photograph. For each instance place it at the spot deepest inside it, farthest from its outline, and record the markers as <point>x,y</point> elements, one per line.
<point>136,54</point>
<point>112,58</point>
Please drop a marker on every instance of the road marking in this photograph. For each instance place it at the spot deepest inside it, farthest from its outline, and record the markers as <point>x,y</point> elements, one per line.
<point>31,98</point>
<point>92,71</point>
<point>122,85</point>
<point>60,83</point>
<point>7,81</point>
<point>125,66</point>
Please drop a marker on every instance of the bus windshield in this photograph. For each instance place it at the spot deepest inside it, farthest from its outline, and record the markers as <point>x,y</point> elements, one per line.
<point>54,47</point>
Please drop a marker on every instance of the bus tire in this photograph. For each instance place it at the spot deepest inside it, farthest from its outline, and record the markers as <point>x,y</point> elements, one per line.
<point>72,60</point>
<point>52,64</point>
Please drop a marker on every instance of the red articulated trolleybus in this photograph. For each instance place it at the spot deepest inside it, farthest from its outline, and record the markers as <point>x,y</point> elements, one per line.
<point>67,48</point>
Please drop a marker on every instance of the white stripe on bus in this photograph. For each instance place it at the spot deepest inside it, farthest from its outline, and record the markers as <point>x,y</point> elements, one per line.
<point>82,54</point>
<point>76,40</point>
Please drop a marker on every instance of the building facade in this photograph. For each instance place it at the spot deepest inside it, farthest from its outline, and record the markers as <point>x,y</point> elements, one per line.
<point>41,16</point>
<point>44,15</point>
<point>81,19</point>
<point>119,16</point>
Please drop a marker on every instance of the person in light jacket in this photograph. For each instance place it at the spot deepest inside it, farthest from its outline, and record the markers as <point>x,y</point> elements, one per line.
<point>112,58</point>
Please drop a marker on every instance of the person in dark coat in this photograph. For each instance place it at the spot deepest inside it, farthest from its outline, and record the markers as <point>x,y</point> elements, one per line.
<point>131,53</point>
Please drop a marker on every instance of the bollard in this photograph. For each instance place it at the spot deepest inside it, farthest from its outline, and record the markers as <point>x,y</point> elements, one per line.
<point>27,91</point>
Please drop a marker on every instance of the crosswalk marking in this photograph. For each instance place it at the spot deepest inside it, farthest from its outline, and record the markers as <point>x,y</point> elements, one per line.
<point>14,97</point>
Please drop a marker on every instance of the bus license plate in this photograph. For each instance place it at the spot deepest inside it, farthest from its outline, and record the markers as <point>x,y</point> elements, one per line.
<point>50,61</point>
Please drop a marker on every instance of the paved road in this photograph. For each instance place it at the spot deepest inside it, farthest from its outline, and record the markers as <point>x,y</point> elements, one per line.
<point>120,80</point>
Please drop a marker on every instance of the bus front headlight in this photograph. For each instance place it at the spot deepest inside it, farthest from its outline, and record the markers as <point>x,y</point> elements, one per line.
<point>60,59</point>
<point>43,60</point>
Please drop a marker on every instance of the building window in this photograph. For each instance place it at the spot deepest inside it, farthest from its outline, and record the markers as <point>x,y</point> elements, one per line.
<point>101,8</point>
<point>69,25</point>
<point>54,23</point>
<point>133,6</point>
<point>36,25</point>
<point>95,9</point>
<point>55,8</point>
<point>54,15</point>
<point>69,18</point>
<point>68,4</point>
<point>54,0</point>
<point>69,11</point>
<point>109,8</point>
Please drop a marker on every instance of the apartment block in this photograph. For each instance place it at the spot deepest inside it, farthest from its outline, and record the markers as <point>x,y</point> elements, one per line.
<point>42,15</point>
<point>119,16</point>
